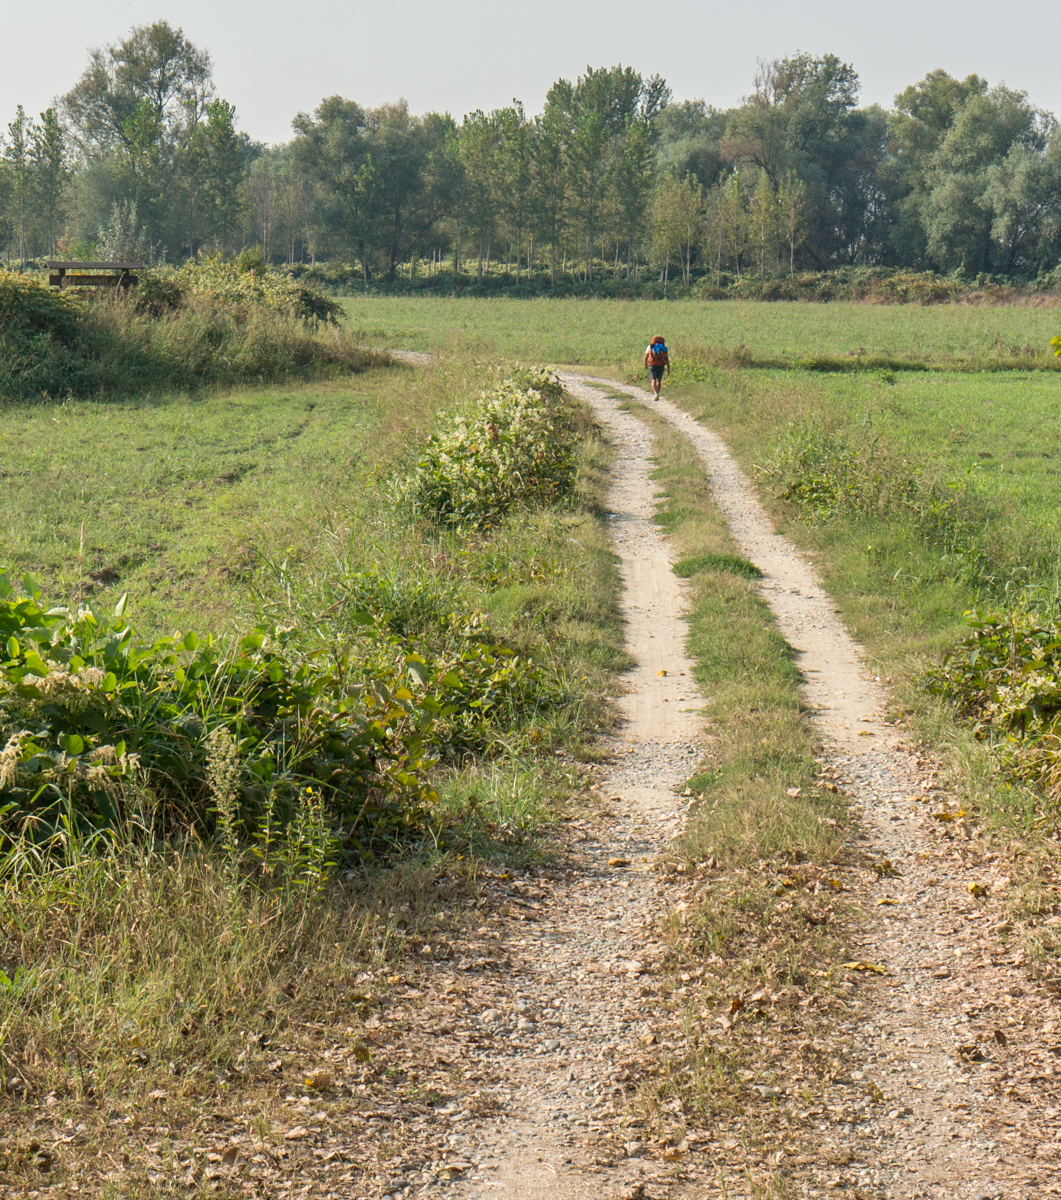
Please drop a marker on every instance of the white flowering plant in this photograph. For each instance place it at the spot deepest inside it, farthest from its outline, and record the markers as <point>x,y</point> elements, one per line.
<point>516,447</point>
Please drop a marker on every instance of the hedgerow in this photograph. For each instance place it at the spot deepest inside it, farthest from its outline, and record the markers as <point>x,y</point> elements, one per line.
<point>515,447</point>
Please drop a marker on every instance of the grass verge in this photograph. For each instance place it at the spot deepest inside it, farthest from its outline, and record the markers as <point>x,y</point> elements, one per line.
<point>917,504</point>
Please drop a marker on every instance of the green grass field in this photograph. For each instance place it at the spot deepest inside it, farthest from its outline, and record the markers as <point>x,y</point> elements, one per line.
<point>181,500</point>
<point>613,333</point>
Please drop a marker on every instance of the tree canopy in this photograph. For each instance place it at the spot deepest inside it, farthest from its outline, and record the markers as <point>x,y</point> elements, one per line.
<point>612,177</point>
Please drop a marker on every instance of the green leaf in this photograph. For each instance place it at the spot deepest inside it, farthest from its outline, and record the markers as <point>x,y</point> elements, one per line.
<point>119,608</point>
<point>35,664</point>
<point>29,586</point>
<point>13,648</point>
<point>191,641</point>
<point>72,744</point>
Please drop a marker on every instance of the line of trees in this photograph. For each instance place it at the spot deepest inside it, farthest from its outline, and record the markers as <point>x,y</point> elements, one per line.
<point>612,179</point>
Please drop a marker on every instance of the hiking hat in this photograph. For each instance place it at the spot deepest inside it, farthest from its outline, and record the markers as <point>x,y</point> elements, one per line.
<point>659,338</point>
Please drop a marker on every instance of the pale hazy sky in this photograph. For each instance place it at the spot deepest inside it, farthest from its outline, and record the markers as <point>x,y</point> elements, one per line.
<point>276,57</point>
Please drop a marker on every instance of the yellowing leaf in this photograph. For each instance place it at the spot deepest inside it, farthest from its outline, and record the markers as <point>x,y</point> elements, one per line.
<point>886,900</point>
<point>661,673</point>
<point>977,889</point>
<point>865,966</point>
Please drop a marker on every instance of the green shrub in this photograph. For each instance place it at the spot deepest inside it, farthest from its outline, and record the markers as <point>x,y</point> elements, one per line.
<point>241,286</point>
<point>29,307</point>
<point>225,328</point>
<point>516,447</point>
<point>100,732</point>
<point>1005,678</point>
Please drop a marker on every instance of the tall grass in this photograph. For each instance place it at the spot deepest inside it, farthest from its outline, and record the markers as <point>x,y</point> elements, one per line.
<point>54,346</point>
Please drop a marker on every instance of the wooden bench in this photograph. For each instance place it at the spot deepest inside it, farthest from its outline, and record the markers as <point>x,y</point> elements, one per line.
<point>122,274</point>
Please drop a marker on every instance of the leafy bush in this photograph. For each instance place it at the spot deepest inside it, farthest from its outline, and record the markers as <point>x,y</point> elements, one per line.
<point>1005,678</point>
<point>99,731</point>
<point>516,447</point>
<point>241,286</point>
<point>29,307</point>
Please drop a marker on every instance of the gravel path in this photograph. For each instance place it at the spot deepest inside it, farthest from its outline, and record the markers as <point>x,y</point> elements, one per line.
<point>944,1082</point>
<point>949,1087</point>
<point>554,1034</point>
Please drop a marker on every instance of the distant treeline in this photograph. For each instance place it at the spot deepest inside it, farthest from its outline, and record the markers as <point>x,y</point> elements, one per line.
<point>614,184</point>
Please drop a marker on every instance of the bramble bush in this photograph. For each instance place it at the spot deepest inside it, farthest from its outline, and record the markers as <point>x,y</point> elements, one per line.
<point>517,446</point>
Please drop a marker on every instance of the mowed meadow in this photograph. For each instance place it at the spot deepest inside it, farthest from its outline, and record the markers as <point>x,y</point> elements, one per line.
<point>613,333</point>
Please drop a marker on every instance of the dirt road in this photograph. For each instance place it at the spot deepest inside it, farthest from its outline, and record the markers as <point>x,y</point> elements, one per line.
<point>944,1082</point>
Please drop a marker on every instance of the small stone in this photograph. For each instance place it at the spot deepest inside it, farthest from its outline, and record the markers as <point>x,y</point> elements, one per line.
<point>552,1044</point>
<point>490,1017</point>
<point>526,1026</point>
<point>766,1093</point>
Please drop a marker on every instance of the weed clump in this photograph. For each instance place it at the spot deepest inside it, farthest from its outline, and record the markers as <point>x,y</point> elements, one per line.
<point>825,475</point>
<point>516,447</point>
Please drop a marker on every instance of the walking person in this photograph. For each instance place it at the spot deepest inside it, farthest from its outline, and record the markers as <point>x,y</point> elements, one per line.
<point>657,358</point>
